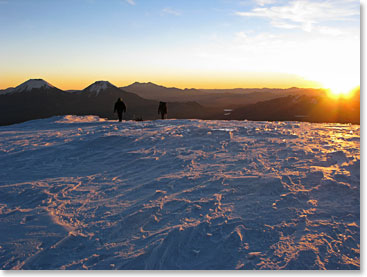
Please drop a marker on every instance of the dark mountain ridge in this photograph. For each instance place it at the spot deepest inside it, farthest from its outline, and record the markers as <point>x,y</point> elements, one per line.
<point>37,100</point>
<point>319,109</point>
<point>215,98</point>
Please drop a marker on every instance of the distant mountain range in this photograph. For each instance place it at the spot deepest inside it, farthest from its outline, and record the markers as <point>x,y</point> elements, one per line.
<point>292,104</point>
<point>216,98</point>
<point>303,108</point>
<point>37,98</point>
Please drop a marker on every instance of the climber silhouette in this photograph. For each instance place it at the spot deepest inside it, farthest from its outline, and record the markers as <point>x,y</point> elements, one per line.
<point>162,109</point>
<point>120,108</point>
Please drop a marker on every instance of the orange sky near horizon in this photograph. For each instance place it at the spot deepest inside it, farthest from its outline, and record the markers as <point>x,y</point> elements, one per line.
<point>184,44</point>
<point>213,80</point>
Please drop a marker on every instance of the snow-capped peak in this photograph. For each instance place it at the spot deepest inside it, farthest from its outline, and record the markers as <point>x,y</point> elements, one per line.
<point>32,84</point>
<point>99,86</point>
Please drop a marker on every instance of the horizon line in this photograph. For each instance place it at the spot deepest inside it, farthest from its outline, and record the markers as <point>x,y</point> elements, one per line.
<point>175,87</point>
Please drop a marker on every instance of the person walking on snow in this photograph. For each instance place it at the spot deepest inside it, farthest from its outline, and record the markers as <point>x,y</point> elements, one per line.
<point>120,108</point>
<point>162,109</point>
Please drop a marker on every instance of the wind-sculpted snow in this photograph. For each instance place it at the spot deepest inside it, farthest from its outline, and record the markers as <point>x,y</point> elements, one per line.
<point>83,193</point>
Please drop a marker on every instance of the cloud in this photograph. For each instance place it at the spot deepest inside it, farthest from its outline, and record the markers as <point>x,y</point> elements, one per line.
<point>304,14</point>
<point>131,2</point>
<point>171,11</point>
<point>264,2</point>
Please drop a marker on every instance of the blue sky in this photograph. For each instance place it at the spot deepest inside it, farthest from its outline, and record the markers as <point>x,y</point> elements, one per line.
<point>202,43</point>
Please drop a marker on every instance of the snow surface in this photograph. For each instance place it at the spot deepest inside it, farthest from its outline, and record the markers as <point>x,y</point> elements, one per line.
<point>85,193</point>
<point>29,85</point>
<point>99,86</point>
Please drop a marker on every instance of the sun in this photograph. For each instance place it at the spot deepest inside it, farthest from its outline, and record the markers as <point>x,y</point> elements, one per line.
<point>340,93</point>
<point>337,93</point>
<point>339,88</point>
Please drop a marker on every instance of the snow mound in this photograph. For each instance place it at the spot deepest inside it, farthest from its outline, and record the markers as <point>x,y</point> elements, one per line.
<point>179,194</point>
<point>80,119</point>
<point>30,85</point>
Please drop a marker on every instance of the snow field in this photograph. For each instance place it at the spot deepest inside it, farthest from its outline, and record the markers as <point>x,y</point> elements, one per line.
<point>86,193</point>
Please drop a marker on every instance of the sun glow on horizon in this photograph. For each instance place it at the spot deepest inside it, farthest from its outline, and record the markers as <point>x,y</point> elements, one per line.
<point>342,93</point>
<point>341,87</point>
